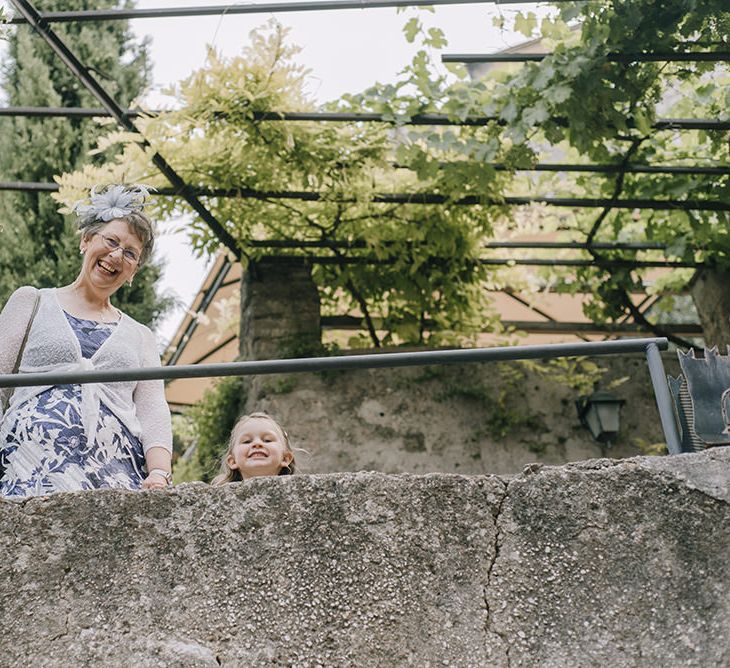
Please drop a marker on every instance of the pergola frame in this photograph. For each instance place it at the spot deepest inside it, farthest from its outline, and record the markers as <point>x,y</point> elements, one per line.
<point>252,8</point>
<point>667,57</point>
<point>361,117</point>
<point>414,198</point>
<point>40,22</point>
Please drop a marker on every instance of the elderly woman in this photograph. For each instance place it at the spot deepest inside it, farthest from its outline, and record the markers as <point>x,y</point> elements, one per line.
<point>76,437</point>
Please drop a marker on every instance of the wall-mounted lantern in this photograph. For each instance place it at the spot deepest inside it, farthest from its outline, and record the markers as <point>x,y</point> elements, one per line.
<point>600,414</point>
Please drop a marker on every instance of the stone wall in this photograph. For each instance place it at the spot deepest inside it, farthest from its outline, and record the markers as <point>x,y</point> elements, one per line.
<point>479,418</point>
<point>279,309</point>
<point>604,563</point>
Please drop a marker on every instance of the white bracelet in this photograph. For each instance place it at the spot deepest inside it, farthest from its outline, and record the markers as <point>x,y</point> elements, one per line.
<point>161,472</point>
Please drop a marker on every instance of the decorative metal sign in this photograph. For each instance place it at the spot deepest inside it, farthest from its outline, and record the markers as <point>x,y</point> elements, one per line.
<point>702,399</point>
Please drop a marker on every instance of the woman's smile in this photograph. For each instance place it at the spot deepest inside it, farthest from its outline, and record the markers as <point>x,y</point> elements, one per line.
<point>107,268</point>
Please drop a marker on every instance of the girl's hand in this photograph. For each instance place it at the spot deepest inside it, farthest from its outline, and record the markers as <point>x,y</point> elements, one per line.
<point>157,479</point>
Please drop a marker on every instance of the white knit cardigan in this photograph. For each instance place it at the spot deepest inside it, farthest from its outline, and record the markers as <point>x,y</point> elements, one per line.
<point>53,346</point>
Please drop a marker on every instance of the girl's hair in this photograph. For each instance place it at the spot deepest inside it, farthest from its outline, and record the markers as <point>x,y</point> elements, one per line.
<point>227,474</point>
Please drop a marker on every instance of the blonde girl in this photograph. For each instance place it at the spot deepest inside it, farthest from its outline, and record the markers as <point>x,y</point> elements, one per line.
<point>259,446</point>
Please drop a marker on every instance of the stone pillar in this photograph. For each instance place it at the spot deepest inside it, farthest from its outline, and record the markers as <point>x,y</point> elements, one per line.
<point>279,310</point>
<point>711,295</point>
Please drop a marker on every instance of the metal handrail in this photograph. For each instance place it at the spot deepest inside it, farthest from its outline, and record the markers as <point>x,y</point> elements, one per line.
<point>649,346</point>
<point>309,364</point>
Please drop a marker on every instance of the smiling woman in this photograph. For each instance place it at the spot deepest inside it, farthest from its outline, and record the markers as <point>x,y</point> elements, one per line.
<point>77,437</point>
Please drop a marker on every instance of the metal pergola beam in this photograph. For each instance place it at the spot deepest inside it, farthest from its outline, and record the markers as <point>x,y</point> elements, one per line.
<point>568,245</point>
<point>360,117</point>
<point>615,169</point>
<point>580,329</point>
<point>548,289</point>
<point>77,68</point>
<point>252,8</point>
<point>415,198</point>
<point>506,262</point>
<point>348,322</point>
<point>667,56</point>
<point>80,112</point>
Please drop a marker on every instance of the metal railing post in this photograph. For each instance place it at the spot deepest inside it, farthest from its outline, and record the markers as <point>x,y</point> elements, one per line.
<point>663,399</point>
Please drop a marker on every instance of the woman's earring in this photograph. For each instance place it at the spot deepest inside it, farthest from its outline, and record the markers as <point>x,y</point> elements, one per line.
<point>129,282</point>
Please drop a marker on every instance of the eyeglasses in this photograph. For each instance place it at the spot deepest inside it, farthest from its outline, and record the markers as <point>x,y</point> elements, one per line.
<point>129,254</point>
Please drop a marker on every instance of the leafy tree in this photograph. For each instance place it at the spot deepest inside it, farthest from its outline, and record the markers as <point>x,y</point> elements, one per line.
<point>576,102</point>
<point>40,246</point>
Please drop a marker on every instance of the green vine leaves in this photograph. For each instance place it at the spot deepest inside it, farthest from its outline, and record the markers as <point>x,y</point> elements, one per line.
<point>406,269</point>
<point>412,271</point>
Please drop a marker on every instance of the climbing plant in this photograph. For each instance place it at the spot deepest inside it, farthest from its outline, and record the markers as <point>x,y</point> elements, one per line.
<point>579,104</point>
<point>411,270</point>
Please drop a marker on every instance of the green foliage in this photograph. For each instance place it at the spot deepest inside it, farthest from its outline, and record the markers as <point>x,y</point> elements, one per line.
<point>428,253</point>
<point>578,373</point>
<point>40,247</point>
<point>212,420</point>
<point>185,465</point>
<point>576,103</point>
<point>650,449</point>
<point>498,416</point>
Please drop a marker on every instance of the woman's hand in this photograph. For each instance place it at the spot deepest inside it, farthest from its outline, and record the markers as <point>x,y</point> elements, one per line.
<point>157,479</point>
<point>158,467</point>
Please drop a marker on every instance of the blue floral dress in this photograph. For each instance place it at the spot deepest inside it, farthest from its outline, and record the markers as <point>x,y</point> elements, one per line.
<point>45,448</point>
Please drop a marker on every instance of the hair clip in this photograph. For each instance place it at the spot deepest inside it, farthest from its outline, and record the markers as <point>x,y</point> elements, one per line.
<point>114,201</point>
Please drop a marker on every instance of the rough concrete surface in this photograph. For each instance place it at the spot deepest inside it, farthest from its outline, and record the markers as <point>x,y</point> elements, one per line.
<point>603,563</point>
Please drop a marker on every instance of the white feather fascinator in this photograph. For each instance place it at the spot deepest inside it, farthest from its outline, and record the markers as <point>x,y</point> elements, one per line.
<point>110,202</point>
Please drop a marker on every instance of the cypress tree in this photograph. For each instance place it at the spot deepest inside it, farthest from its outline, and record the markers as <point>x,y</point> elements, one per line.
<point>39,246</point>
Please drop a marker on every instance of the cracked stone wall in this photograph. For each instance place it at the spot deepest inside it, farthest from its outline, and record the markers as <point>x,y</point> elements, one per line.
<point>600,563</point>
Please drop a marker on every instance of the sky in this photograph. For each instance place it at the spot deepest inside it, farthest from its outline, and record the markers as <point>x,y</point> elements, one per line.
<point>346,51</point>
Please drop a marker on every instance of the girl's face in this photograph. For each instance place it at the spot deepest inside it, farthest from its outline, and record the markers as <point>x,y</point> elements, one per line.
<point>259,448</point>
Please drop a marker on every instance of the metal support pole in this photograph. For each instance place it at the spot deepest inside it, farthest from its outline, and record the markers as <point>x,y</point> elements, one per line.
<point>417,198</point>
<point>663,399</point>
<point>668,56</point>
<point>248,8</point>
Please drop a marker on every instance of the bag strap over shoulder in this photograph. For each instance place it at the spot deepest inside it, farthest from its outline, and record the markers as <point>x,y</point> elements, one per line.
<point>22,345</point>
<point>27,331</point>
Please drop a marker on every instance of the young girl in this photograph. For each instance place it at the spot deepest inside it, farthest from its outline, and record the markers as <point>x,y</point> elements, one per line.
<point>258,446</point>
